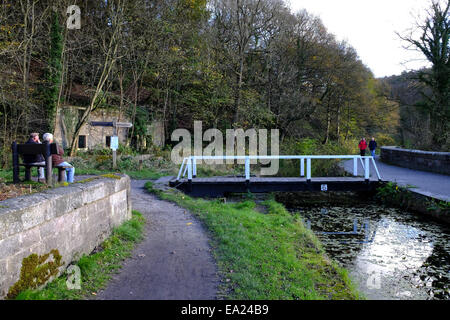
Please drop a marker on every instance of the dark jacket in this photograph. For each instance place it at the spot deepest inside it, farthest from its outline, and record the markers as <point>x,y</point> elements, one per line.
<point>372,145</point>
<point>32,158</point>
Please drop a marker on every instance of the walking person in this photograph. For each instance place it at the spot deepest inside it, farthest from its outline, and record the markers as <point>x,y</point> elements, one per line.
<point>372,146</point>
<point>57,159</point>
<point>35,159</point>
<point>362,147</point>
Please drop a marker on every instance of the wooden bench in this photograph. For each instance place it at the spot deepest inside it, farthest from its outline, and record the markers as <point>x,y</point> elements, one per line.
<point>46,150</point>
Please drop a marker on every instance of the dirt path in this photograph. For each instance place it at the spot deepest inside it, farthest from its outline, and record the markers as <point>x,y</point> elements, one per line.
<point>173,262</point>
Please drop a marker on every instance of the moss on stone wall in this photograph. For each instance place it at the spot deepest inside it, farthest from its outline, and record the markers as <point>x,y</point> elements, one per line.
<point>107,175</point>
<point>36,271</point>
<point>111,176</point>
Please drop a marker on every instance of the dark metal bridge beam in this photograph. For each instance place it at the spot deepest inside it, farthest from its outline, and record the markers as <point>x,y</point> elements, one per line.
<point>219,189</point>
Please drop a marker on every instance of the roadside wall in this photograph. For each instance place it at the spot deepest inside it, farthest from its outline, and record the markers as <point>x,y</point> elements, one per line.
<point>438,162</point>
<point>73,219</point>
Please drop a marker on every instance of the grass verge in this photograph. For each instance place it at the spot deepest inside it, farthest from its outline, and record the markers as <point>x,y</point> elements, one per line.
<point>96,269</point>
<point>134,174</point>
<point>145,173</point>
<point>266,256</point>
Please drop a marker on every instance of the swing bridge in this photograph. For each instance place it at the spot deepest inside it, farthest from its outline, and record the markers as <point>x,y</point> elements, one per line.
<point>188,182</point>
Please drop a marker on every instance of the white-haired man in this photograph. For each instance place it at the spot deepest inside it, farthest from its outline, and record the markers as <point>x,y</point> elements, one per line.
<point>57,159</point>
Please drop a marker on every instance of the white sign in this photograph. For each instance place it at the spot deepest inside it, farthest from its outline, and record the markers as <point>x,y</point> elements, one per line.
<point>114,142</point>
<point>324,187</point>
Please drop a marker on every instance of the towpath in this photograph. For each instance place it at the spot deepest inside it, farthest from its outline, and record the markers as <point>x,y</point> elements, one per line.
<point>173,262</point>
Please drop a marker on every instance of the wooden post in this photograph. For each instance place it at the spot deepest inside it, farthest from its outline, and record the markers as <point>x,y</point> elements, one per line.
<point>189,168</point>
<point>247,169</point>
<point>302,167</point>
<point>194,167</point>
<point>114,154</point>
<point>15,162</point>
<point>48,163</point>
<point>366,169</point>
<point>308,169</point>
<point>61,175</point>
<point>27,173</point>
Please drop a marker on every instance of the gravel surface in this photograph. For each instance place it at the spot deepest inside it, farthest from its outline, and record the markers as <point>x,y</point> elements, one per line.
<point>173,262</point>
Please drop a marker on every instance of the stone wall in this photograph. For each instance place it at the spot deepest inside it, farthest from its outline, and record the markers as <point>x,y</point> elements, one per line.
<point>438,162</point>
<point>73,219</point>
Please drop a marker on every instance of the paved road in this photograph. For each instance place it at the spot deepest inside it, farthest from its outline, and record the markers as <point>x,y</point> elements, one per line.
<point>174,261</point>
<point>426,183</point>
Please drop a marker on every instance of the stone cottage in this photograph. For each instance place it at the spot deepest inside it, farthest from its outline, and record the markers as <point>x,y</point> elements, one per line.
<point>99,137</point>
<point>90,136</point>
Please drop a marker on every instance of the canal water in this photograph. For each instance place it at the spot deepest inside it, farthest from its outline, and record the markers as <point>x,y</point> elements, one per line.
<point>389,253</point>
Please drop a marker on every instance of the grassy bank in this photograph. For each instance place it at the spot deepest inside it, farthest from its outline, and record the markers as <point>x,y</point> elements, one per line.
<point>268,255</point>
<point>393,195</point>
<point>96,269</point>
<point>99,161</point>
<point>6,176</point>
<point>134,174</point>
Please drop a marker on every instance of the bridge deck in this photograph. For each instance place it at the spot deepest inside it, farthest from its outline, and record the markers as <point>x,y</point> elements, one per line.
<point>219,186</point>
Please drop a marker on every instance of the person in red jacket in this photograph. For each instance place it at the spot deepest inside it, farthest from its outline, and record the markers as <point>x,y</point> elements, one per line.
<point>362,147</point>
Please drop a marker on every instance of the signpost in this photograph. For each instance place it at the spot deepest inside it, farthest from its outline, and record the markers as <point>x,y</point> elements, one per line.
<point>114,139</point>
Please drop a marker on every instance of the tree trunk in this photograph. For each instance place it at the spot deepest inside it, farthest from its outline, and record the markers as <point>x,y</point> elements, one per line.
<point>327,134</point>
<point>61,83</point>
<point>237,103</point>
<point>338,123</point>
<point>110,60</point>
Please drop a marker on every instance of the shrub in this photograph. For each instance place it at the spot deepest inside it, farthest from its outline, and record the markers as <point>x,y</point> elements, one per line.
<point>309,146</point>
<point>385,140</point>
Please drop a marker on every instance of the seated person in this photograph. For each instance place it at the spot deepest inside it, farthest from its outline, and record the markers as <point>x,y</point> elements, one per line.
<point>35,159</point>
<point>57,159</point>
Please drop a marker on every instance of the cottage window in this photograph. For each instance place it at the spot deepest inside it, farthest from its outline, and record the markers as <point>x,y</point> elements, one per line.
<point>81,142</point>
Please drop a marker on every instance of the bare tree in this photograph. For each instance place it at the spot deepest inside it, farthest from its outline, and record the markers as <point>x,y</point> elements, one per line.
<point>110,49</point>
<point>240,24</point>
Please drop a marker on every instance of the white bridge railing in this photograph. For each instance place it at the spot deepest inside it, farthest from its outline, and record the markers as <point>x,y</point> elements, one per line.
<point>189,164</point>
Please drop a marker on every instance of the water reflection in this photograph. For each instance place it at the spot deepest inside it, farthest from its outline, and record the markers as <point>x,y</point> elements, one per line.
<point>389,253</point>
